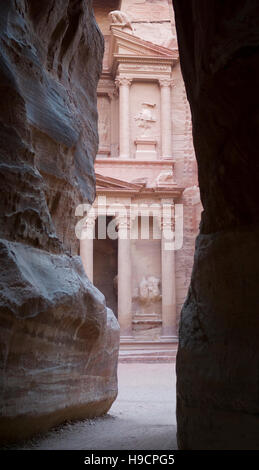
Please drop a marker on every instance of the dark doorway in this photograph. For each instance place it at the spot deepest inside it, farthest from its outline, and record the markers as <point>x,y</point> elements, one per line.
<point>105,268</point>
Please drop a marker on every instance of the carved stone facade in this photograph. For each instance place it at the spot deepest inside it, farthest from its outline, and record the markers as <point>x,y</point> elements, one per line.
<point>145,157</point>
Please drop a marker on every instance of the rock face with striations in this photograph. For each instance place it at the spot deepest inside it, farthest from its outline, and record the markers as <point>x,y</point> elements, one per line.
<point>218,358</point>
<point>59,342</point>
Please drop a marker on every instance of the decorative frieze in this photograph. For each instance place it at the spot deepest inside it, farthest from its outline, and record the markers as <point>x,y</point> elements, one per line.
<point>139,67</point>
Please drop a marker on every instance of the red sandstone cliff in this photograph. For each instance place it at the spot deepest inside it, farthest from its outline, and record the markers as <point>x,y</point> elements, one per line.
<point>59,342</point>
<point>218,356</point>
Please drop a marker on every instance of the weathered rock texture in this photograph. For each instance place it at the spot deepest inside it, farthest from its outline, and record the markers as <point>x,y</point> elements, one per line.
<point>218,358</point>
<point>59,342</point>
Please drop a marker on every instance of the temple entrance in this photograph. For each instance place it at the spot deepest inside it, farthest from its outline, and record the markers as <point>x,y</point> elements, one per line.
<point>105,266</point>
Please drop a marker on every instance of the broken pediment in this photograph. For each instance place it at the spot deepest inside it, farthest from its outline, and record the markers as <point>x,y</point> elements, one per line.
<point>114,184</point>
<point>124,45</point>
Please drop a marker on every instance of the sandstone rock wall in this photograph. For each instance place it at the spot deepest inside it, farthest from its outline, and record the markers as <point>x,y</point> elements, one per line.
<point>59,342</point>
<point>218,357</point>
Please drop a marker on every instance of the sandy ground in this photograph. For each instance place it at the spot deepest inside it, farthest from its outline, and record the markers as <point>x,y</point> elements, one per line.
<point>142,417</point>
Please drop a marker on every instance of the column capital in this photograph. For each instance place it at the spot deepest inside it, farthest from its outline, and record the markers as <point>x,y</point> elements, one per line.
<point>88,229</point>
<point>166,82</point>
<point>113,93</point>
<point>123,221</point>
<point>168,216</point>
<point>123,81</point>
<point>167,224</point>
<point>167,201</point>
<point>89,221</point>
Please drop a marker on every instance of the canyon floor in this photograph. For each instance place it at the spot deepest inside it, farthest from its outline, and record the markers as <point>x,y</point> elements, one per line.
<point>142,417</point>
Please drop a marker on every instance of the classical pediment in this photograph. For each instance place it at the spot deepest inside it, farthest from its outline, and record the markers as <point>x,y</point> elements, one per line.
<point>125,46</point>
<point>113,184</point>
<point>108,185</point>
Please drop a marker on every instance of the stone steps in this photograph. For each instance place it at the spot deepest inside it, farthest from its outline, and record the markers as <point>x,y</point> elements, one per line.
<point>147,351</point>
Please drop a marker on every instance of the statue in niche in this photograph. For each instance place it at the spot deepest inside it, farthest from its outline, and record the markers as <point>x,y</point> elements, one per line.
<point>103,121</point>
<point>103,130</point>
<point>146,118</point>
<point>119,18</point>
<point>149,290</point>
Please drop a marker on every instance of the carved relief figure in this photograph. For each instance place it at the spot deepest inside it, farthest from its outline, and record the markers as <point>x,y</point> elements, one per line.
<point>104,121</point>
<point>121,19</point>
<point>103,129</point>
<point>149,290</point>
<point>146,118</point>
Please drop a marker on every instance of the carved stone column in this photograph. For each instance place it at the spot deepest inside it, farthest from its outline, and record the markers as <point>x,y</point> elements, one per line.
<point>166,117</point>
<point>169,330</point>
<point>86,247</point>
<point>124,278</point>
<point>124,118</point>
<point>113,119</point>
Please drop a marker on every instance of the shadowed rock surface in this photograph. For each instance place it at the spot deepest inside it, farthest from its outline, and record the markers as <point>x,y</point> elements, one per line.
<point>59,342</point>
<point>218,357</point>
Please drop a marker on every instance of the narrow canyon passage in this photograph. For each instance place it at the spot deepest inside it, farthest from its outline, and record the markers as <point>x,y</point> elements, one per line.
<point>142,417</point>
<point>174,144</point>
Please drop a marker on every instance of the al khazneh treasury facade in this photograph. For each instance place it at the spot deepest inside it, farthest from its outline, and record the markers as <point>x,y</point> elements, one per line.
<point>145,157</point>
